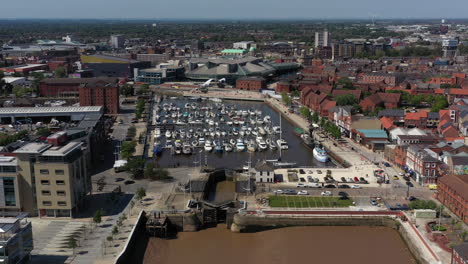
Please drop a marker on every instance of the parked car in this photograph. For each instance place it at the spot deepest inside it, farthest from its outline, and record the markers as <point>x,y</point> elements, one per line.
<point>310,179</point>
<point>119,179</point>
<point>300,185</point>
<point>343,179</point>
<point>387,164</point>
<point>374,202</point>
<point>314,185</point>
<point>319,171</point>
<point>301,179</point>
<point>310,172</point>
<point>395,177</point>
<point>409,184</point>
<point>361,179</point>
<point>303,192</point>
<point>356,186</point>
<point>412,198</point>
<point>326,193</point>
<point>356,179</point>
<point>330,186</point>
<point>290,192</point>
<point>343,186</point>
<point>301,171</point>
<point>343,194</point>
<point>401,174</point>
<point>128,182</point>
<point>278,191</point>
<point>316,179</point>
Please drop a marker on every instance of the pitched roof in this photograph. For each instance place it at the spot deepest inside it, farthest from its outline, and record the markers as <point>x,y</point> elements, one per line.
<point>387,123</point>
<point>458,183</point>
<point>462,250</point>
<point>391,113</point>
<point>416,116</point>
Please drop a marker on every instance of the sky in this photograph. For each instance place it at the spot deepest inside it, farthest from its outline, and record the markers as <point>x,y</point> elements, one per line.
<point>234,9</point>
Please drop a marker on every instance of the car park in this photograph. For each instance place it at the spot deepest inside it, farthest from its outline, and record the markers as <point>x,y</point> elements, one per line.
<point>303,192</point>
<point>326,193</point>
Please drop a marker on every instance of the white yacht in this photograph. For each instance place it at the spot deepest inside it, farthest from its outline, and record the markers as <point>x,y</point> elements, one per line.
<point>240,146</point>
<point>282,144</point>
<point>168,134</point>
<point>208,146</point>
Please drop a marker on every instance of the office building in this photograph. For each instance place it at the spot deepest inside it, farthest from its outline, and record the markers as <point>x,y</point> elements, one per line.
<point>16,240</point>
<point>101,93</point>
<point>54,179</point>
<point>117,41</point>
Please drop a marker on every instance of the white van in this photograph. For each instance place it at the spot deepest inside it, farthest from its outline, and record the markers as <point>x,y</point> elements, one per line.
<point>314,185</point>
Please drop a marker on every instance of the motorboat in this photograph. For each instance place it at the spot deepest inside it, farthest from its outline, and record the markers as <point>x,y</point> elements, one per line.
<point>232,141</point>
<point>187,149</point>
<point>218,148</point>
<point>201,142</point>
<point>168,134</point>
<point>262,146</point>
<point>282,144</point>
<point>252,147</point>
<point>228,147</point>
<point>157,133</point>
<point>320,154</point>
<point>240,146</point>
<point>194,143</point>
<point>157,148</point>
<point>208,147</point>
<point>272,146</point>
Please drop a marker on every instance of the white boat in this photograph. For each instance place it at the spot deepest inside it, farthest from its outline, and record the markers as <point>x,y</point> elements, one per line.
<point>228,147</point>
<point>208,146</point>
<point>201,141</point>
<point>320,154</point>
<point>240,146</point>
<point>261,131</point>
<point>232,141</point>
<point>277,129</point>
<point>259,139</point>
<point>229,123</point>
<point>272,145</point>
<point>211,122</point>
<point>157,133</point>
<point>262,146</point>
<point>252,147</point>
<point>187,149</point>
<point>168,134</point>
<point>194,143</point>
<point>282,144</point>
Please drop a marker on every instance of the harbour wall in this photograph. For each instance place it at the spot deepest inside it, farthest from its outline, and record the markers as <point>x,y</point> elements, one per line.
<point>134,249</point>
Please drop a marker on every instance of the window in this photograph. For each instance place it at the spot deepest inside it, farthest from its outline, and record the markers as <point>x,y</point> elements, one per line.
<point>61,203</point>
<point>45,192</point>
<point>59,172</point>
<point>45,182</point>
<point>433,165</point>
<point>9,191</point>
<point>59,182</point>
<point>46,203</point>
<point>428,165</point>
<point>61,193</point>
<point>44,171</point>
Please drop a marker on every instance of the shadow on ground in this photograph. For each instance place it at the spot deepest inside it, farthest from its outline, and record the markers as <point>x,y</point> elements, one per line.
<point>110,203</point>
<point>48,259</point>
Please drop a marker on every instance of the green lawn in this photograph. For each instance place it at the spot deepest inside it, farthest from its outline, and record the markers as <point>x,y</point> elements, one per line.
<point>298,201</point>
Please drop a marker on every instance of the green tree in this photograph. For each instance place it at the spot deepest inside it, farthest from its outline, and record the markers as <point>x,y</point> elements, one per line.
<point>43,131</point>
<point>346,83</point>
<point>131,132</point>
<point>286,98</point>
<point>439,103</point>
<point>295,93</point>
<point>17,74</point>
<point>144,88</point>
<point>140,108</point>
<point>140,193</point>
<point>315,117</point>
<point>463,235</point>
<point>20,91</point>
<point>127,149</point>
<point>345,99</point>
<point>305,112</point>
<point>2,74</point>
<point>115,230</point>
<point>72,243</point>
<point>423,204</point>
<point>156,174</point>
<point>135,167</point>
<point>126,90</point>
<point>97,218</point>
<point>60,72</point>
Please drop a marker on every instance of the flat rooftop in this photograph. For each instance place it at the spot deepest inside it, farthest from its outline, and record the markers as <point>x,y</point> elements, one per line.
<point>8,161</point>
<point>48,110</point>
<point>33,148</point>
<point>62,150</point>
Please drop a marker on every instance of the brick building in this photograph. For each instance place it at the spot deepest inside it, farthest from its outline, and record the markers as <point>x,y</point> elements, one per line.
<point>68,87</point>
<point>100,93</point>
<point>425,168</point>
<point>251,83</point>
<point>385,100</point>
<point>377,77</point>
<point>452,191</point>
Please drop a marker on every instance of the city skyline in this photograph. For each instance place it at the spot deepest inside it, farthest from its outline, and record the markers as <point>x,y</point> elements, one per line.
<point>242,9</point>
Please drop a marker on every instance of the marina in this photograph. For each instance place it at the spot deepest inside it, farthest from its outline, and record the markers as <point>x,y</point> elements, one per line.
<point>221,133</point>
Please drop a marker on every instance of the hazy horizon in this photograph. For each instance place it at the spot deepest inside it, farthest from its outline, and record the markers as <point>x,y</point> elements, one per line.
<point>235,10</point>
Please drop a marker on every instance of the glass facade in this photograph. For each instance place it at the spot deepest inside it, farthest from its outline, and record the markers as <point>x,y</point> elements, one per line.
<point>9,191</point>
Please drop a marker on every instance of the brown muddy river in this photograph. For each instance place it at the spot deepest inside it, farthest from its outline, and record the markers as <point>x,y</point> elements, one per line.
<point>332,245</point>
